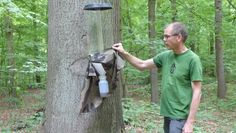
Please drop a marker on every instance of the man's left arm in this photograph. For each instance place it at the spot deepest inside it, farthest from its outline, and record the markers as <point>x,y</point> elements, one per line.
<point>196,86</point>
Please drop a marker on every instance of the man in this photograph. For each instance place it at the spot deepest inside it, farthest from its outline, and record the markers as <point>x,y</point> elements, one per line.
<point>181,78</point>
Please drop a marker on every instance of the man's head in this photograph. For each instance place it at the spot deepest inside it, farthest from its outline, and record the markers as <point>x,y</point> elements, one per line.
<point>175,34</point>
<point>178,28</point>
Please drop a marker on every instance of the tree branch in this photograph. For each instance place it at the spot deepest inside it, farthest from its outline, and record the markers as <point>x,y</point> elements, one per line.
<point>231,4</point>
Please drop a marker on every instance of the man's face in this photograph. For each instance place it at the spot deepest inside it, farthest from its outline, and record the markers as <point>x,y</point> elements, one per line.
<point>169,38</point>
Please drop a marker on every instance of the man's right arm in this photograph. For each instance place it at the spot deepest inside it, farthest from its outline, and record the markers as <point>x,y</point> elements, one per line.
<point>136,62</point>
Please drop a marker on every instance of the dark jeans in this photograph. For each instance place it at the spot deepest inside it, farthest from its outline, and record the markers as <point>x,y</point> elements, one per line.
<point>173,125</point>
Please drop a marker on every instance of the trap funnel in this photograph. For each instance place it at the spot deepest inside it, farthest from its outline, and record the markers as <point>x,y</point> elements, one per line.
<point>98,6</point>
<point>95,25</point>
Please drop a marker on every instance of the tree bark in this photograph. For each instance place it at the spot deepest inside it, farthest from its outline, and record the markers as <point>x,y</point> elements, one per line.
<point>67,46</point>
<point>152,36</point>
<point>219,50</point>
<point>10,55</point>
<point>36,41</point>
<point>117,38</point>
<point>173,10</point>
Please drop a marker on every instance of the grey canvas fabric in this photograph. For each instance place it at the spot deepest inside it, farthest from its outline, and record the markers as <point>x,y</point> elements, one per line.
<point>112,63</point>
<point>108,57</point>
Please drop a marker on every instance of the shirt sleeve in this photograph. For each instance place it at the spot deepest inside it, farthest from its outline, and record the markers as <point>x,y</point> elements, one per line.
<point>196,69</point>
<point>160,58</point>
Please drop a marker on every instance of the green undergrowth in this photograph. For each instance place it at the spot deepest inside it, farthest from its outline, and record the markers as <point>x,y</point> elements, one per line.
<point>214,115</point>
<point>25,117</point>
<point>141,115</point>
<point>27,125</point>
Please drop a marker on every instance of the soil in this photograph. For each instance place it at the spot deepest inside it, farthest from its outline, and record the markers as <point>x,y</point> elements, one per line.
<point>13,115</point>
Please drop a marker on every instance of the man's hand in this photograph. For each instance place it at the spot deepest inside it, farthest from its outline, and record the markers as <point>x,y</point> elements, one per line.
<point>188,128</point>
<point>118,47</point>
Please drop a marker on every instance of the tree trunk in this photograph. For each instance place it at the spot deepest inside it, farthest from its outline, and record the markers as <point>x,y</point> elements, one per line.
<point>68,51</point>
<point>36,41</point>
<point>152,36</point>
<point>10,55</point>
<point>117,38</point>
<point>219,50</point>
<point>211,47</point>
<point>173,10</point>
<point>211,52</point>
<point>192,41</point>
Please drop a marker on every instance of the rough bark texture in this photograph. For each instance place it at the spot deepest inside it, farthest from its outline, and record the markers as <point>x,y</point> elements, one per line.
<point>219,50</point>
<point>67,47</point>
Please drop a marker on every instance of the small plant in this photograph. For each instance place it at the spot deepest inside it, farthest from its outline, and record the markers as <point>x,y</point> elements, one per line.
<point>138,114</point>
<point>13,101</point>
<point>27,124</point>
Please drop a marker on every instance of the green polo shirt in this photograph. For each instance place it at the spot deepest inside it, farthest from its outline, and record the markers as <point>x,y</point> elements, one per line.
<point>178,71</point>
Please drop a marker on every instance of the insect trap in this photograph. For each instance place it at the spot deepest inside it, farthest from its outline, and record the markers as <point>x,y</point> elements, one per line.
<point>95,39</point>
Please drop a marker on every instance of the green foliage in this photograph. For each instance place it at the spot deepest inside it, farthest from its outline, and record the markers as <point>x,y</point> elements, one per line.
<point>6,130</point>
<point>218,113</point>
<point>134,76</point>
<point>13,101</point>
<point>29,28</point>
<point>140,114</point>
<point>34,119</point>
<point>27,117</point>
<point>214,115</point>
<point>199,16</point>
<point>208,64</point>
<point>230,64</point>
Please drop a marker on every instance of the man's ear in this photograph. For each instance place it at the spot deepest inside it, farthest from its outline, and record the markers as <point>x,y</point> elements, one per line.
<point>180,38</point>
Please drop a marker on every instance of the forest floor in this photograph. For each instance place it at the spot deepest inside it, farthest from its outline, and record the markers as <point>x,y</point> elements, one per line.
<point>23,114</point>
<point>214,115</point>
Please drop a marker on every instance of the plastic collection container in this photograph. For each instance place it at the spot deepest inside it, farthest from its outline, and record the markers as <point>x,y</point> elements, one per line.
<point>103,86</point>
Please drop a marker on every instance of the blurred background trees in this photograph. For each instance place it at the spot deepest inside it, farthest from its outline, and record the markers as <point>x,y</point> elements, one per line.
<point>212,30</point>
<point>23,45</point>
<point>23,39</point>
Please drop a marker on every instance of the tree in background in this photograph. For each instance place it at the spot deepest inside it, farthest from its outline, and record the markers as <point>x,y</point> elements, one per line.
<point>219,50</point>
<point>173,10</point>
<point>17,42</point>
<point>152,35</point>
<point>36,41</point>
<point>10,54</point>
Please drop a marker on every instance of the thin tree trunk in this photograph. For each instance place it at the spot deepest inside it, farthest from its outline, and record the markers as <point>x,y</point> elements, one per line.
<point>219,50</point>
<point>152,36</point>
<point>117,38</point>
<point>211,52</point>
<point>192,41</point>
<point>173,10</point>
<point>36,41</point>
<point>10,55</point>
